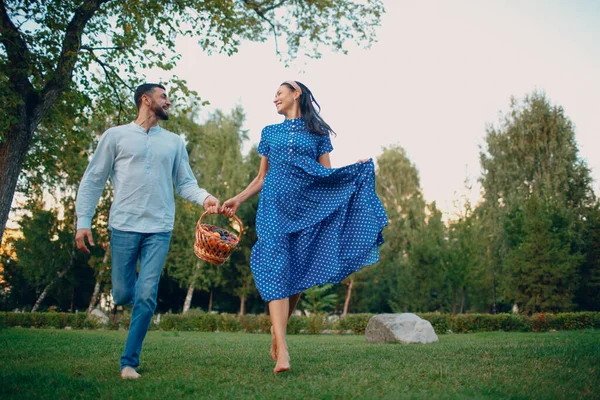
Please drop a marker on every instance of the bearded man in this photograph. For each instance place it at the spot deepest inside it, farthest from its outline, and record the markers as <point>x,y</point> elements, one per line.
<point>144,163</point>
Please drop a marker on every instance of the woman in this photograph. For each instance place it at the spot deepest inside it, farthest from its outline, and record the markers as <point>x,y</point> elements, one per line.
<point>315,224</point>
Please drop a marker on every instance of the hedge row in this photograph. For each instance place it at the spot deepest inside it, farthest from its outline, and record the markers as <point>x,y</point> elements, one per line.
<point>314,324</point>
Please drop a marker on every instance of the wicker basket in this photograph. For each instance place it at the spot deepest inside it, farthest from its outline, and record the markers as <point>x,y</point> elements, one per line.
<point>214,244</point>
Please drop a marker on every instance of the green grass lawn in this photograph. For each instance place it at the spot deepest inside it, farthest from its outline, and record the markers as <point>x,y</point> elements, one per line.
<point>73,364</point>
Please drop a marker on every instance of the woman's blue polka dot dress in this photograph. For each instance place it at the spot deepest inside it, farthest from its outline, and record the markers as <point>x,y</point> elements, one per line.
<point>315,225</point>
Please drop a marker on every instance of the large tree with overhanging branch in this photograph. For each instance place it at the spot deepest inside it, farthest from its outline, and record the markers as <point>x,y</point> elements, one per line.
<point>62,60</point>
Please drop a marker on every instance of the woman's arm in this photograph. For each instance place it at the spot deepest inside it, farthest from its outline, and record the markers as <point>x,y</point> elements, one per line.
<point>231,206</point>
<point>325,161</point>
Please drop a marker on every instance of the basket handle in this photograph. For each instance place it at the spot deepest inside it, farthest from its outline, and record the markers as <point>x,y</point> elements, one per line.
<point>235,217</point>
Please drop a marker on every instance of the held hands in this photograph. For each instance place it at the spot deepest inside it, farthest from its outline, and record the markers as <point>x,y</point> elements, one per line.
<point>230,207</point>
<point>212,205</point>
<point>80,237</point>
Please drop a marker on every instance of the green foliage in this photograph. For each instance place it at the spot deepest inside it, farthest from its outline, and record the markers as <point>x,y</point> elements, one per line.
<point>45,248</point>
<point>534,151</point>
<point>61,63</point>
<point>135,38</point>
<point>426,266</point>
<point>48,320</point>
<point>296,324</point>
<point>228,323</point>
<point>249,323</point>
<point>316,323</point>
<point>357,323</point>
<point>537,195</point>
<point>318,299</point>
<point>215,157</point>
<point>264,323</point>
<point>587,295</point>
<point>466,273</point>
<point>389,284</point>
<point>412,272</point>
<point>542,267</point>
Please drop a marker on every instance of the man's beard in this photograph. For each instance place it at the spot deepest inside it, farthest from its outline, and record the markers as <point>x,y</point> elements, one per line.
<point>159,112</point>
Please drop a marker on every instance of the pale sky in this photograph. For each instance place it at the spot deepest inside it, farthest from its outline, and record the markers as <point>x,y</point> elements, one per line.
<point>439,73</point>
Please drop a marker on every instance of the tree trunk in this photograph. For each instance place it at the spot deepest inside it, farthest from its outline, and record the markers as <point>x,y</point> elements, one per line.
<point>96,292</point>
<point>243,305</point>
<point>190,293</point>
<point>33,104</point>
<point>494,310</point>
<point>72,299</point>
<point>94,298</point>
<point>45,291</point>
<point>462,302</point>
<point>348,295</point>
<point>61,273</point>
<point>12,154</point>
<point>210,301</point>
<point>188,298</point>
<point>455,304</point>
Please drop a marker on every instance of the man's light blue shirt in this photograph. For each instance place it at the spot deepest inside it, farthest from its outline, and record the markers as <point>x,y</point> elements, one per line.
<point>143,168</point>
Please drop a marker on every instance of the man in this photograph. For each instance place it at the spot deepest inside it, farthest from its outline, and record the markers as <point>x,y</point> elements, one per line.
<point>144,162</point>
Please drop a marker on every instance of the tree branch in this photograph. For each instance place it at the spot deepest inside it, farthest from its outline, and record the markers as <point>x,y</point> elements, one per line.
<point>17,52</point>
<point>261,13</point>
<point>106,66</point>
<point>68,56</point>
<point>107,72</point>
<point>88,48</point>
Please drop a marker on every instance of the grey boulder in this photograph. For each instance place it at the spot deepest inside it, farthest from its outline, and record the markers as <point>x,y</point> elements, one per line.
<point>404,328</point>
<point>98,316</point>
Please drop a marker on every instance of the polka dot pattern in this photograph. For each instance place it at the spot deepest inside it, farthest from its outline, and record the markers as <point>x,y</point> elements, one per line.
<point>315,225</point>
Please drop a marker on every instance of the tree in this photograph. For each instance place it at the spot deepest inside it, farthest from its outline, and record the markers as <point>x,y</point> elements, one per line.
<point>318,299</point>
<point>425,267</point>
<point>398,187</point>
<point>46,253</point>
<point>215,151</point>
<point>464,259</point>
<point>55,63</point>
<point>534,151</point>
<point>534,181</point>
<point>542,268</point>
<point>588,294</point>
<point>241,281</point>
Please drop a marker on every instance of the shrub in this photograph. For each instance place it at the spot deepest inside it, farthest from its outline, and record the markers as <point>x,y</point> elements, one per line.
<point>296,324</point>
<point>264,323</point>
<point>315,324</point>
<point>357,323</point>
<point>228,323</point>
<point>249,323</point>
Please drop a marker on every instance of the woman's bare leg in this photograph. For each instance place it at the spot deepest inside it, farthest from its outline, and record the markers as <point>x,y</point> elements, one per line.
<point>293,300</point>
<point>279,310</point>
<point>273,351</point>
<point>293,303</point>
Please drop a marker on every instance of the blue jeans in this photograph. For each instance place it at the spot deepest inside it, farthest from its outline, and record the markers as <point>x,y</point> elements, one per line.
<point>151,250</point>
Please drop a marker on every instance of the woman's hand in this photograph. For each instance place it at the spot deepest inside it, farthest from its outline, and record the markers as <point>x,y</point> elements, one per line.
<point>230,207</point>
<point>363,160</point>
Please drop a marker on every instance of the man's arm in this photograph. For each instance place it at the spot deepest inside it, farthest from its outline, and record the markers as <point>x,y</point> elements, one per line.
<point>186,184</point>
<point>91,187</point>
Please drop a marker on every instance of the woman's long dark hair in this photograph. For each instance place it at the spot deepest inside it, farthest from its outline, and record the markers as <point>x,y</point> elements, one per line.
<point>314,122</point>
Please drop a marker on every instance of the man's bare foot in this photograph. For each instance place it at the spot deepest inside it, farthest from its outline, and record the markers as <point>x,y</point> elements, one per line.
<point>129,373</point>
<point>283,362</point>
<point>273,351</point>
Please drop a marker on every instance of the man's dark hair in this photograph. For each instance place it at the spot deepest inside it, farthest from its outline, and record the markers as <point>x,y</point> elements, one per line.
<point>145,88</point>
